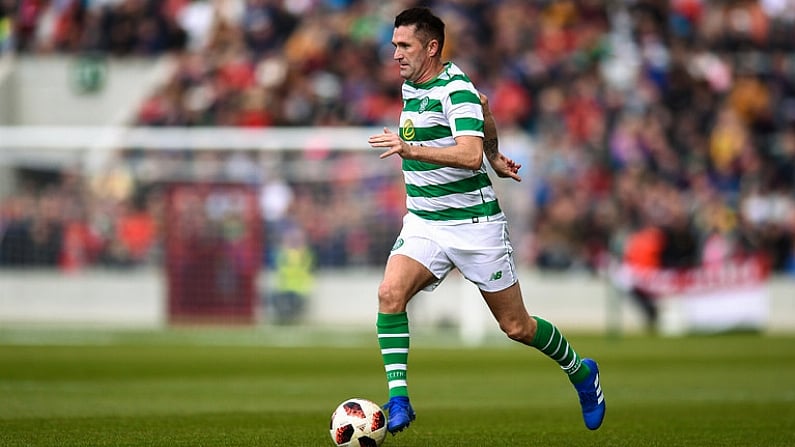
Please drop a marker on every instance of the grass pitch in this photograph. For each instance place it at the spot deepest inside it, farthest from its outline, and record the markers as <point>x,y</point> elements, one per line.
<point>257,387</point>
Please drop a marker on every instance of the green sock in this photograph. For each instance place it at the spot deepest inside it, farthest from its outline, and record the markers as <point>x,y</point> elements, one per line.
<point>551,342</point>
<point>393,338</point>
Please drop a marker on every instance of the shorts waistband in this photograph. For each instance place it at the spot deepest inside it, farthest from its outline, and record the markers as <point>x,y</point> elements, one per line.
<point>499,217</point>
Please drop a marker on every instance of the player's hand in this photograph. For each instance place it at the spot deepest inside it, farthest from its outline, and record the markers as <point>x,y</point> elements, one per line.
<point>505,167</point>
<point>389,141</point>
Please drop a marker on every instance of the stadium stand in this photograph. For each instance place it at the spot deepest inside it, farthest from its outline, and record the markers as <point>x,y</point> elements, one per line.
<point>639,111</point>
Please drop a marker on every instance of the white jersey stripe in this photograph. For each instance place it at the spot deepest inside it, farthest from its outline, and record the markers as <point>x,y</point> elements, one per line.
<point>444,202</point>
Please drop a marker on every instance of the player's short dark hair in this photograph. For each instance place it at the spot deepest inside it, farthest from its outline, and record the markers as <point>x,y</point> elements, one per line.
<point>428,26</point>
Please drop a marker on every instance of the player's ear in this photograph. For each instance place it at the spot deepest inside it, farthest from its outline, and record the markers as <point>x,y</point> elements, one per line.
<point>433,48</point>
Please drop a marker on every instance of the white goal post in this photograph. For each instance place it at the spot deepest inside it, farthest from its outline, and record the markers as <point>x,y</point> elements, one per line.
<point>90,147</point>
<point>190,138</point>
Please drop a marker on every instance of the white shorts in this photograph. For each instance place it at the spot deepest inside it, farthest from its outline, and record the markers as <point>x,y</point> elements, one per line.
<point>481,251</point>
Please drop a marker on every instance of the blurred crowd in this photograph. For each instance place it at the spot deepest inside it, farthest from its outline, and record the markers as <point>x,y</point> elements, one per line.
<point>677,116</point>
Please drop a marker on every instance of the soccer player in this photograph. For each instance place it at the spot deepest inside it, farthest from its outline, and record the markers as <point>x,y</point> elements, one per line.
<point>454,219</point>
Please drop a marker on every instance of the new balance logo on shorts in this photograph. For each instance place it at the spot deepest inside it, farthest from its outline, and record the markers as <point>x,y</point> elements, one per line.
<point>496,275</point>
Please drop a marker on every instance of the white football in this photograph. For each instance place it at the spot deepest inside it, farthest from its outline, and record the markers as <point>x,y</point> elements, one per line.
<point>358,422</point>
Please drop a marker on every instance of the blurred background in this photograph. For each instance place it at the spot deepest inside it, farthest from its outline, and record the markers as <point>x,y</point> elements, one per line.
<point>176,161</point>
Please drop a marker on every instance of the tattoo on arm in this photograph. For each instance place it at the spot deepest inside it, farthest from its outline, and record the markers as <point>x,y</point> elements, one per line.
<point>490,148</point>
<point>490,142</point>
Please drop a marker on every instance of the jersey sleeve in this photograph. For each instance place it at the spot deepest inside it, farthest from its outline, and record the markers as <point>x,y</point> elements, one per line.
<point>463,110</point>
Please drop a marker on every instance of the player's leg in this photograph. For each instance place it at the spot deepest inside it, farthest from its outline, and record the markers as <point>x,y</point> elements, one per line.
<point>403,278</point>
<point>509,310</point>
<point>483,253</point>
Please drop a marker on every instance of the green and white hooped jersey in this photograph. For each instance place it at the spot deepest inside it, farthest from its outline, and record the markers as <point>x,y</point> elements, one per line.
<point>434,113</point>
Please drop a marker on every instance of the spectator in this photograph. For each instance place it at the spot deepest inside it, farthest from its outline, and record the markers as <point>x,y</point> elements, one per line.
<point>294,277</point>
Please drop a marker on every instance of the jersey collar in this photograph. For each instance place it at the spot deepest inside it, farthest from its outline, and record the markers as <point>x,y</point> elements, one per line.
<point>446,66</point>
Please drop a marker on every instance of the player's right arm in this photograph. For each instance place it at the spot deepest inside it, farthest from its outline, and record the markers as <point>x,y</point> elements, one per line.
<point>467,153</point>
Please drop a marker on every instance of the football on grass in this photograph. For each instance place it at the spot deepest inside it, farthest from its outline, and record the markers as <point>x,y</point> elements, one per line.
<point>358,422</point>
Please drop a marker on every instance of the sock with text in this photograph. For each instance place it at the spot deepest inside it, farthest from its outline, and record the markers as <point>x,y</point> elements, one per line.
<point>393,339</point>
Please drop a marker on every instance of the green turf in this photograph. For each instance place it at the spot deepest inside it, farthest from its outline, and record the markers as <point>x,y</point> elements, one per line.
<point>234,388</point>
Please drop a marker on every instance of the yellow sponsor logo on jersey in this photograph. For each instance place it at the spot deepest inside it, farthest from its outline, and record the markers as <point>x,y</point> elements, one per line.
<point>408,130</point>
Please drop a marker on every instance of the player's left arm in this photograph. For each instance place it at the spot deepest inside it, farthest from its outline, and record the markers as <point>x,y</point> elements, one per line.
<point>503,166</point>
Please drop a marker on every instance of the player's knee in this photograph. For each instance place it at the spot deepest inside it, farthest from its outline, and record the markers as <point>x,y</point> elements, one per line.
<point>517,331</point>
<point>391,298</point>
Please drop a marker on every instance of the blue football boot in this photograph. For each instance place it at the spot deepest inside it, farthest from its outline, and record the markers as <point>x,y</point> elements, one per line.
<point>592,400</point>
<point>400,413</point>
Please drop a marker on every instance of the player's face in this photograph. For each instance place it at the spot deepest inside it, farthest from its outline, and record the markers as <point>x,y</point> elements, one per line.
<point>412,55</point>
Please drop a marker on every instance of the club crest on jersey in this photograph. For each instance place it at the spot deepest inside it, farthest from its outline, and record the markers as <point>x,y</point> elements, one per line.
<point>424,104</point>
<point>408,130</point>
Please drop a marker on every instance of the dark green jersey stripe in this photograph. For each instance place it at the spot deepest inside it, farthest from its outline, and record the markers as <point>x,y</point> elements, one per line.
<point>414,165</point>
<point>416,105</point>
<point>469,124</point>
<point>464,96</point>
<point>461,186</point>
<point>480,210</point>
<point>428,133</point>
